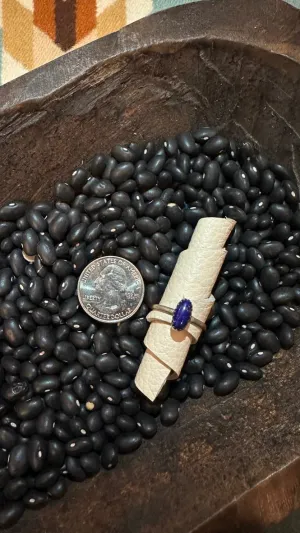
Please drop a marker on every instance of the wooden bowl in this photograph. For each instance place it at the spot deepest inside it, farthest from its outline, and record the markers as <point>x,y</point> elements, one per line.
<point>229,464</point>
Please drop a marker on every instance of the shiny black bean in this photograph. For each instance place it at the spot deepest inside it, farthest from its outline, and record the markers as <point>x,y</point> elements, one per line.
<point>106,362</point>
<point>18,460</point>
<point>79,446</point>
<point>74,469</point>
<point>255,258</point>
<point>47,478</point>
<point>184,233</point>
<point>227,383</point>
<point>15,489</point>
<point>211,176</point>
<point>282,295</point>
<point>248,371</point>
<point>196,385</point>
<point>149,250</point>
<point>194,365</point>
<point>15,391</point>
<point>45,423</point>
<point>231,211</point>
<point>56,453</point>
<point>69,403</point>
<point>210,374</point>
<point>227,316</point>
<point>247,312</point>
<point>261,358</point>
<point>109,456</point>
<point>215,335</point>
<point>58,490</point>
<point>10,513</point>
<point>30,242</point>
<point>215,145</point>
<point>222,363</point>
<point>269,278</point>
<point>46,252</point>
<point>290,315</point>
<point>37,453</point>
<point>13,332</point>
<point>281,212</point>
<point>59,226</point>
<point>109,393</point>
<point>128,442</point>
<point>8,438</point>
<point>29,409</point>
<point>286,336</point>
<point>241,181</point>
<point>267,340</point>
<point>270,319</point>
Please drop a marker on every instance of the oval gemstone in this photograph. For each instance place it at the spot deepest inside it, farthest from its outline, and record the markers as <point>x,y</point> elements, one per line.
<point>182,314</point>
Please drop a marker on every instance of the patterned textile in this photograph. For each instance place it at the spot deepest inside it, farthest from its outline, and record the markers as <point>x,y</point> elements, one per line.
<point>33,32</point>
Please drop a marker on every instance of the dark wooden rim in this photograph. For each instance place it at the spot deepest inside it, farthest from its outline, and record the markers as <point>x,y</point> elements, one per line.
<point>254,22</point>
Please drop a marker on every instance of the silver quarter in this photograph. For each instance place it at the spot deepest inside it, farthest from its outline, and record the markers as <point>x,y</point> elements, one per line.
<point>110,289</point>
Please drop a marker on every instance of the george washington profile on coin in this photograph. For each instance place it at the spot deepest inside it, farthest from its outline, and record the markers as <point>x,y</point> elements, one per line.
<point>110,289</point>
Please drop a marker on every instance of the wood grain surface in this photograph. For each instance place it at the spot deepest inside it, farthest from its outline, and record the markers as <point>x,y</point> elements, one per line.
<point>229,465</point>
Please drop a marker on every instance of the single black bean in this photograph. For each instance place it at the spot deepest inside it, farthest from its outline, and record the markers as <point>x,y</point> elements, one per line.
<point>109,456</point>
<point>45,423</point>
<point>184,233</point>
<point>13,333</point>
<point>215,335</point>
<point>280,212</point>
<point>29,409</point>
<point>211,176</point>
<point>11,512</point>
<point>267,340</point>
<point>109,393</point>
<point>37,453</point>
<point>269,278</point>
<point>261,358</point>
<point>128,442</point>
<point>58,490</point>
<point>69,403</point>
<point>210,374</point>
<point>227,383</point>
<point>56,453</point>
<point>290,315</point>
<point>18,460</point>
<point>248,371</point>
<point>270,319</point>
<point>194,365</point>
<point>215,145</point>
<point>282,295</point>
<point>286,336</point>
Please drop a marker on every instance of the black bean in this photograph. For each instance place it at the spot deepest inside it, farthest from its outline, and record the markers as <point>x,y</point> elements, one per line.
<point>18,461</point>
<point>231,211</point>
<point>261,358</point>
<point>227,316</point>
<point>13,332</point>
<point>281,212</point>
<point>194,365</point>
<point>247,312</point>
<point>10,513</point>
<point>210,374</point>
<point>46,252</point>
<point>15,391</point>
<point>211,176</point>
<point>58,490</point>
<point>8,438</point>
<point>184,233</point>
<point>106,362</point>
<point>47,478</point>
<point>56,453</point>
<point>222,363</point>
<point>29,409</point>
<point>215,146</point>
<point>37,453</point>
<point>109,456</point>
<point>149,250</point>
<point>69,403</point>
<point>196,385</point>
<point>290,315</point>
<point>45,423</point>
<point>128,442</point>
<point>227,383</point>
<point>248,371</point>
<point>269,278</point>
<point>267,340</point>
<point>263,301</point>
<point>286,336</point>
<point>282,295</point>
<point>109,393</point>
<point>217,334</point>
<point>270,319</point>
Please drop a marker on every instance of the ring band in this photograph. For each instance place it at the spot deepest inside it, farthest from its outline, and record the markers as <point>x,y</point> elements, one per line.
<point>171,311</point>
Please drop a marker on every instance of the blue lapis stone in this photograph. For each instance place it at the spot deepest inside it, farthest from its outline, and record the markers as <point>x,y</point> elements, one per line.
<point>182,314</point>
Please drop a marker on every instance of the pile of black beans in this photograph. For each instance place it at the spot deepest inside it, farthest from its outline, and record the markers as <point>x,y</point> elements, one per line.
<point>68,404</point>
